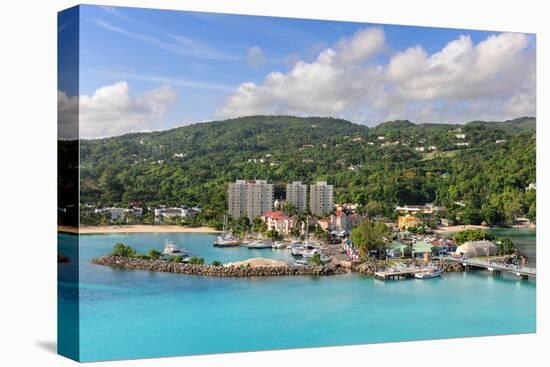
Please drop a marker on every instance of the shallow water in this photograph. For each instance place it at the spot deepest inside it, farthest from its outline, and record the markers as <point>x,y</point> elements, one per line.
<point>137,314</point>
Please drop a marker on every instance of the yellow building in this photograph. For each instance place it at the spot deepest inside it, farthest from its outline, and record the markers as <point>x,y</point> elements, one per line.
<point>408,221</point>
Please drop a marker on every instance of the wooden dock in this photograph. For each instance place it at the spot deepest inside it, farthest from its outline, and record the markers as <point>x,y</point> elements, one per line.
<point>396,274</point>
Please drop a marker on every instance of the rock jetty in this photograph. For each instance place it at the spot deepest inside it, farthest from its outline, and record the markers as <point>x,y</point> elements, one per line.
<point>215,271</point>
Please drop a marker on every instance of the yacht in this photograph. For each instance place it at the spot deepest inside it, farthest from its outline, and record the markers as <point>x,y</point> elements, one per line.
<point>307,253</point>
<point>428,273</point>
<point>170,249</point>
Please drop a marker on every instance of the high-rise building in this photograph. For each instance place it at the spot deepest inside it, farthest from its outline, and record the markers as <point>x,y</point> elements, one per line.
<point>296,193</point>
<point>320,198</point>
<point>250,198</point>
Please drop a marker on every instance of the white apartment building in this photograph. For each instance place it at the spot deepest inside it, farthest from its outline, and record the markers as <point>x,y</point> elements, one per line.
<point>320,198</point>
<point>250,198</point>
<point>296,193</point>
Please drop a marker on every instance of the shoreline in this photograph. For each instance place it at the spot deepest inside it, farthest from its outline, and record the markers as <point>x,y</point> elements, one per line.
<point>452,229</point>
<point>136,228</point>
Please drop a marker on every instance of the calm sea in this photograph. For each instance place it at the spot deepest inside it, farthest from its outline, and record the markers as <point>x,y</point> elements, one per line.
<point>137,314</point>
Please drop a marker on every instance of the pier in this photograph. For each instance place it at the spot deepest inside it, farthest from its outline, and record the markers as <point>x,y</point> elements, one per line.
<point>396,274</point>
<point>494,267</point>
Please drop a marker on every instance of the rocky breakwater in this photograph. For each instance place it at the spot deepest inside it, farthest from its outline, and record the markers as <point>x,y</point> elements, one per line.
<point>248,270</point>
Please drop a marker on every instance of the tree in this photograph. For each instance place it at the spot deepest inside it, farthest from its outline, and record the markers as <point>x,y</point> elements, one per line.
<point>154,254</point>
<point>370,236</point>
<point>272,234</point>
<point>122,250</point>
<point>505,246</point>
<point>289,209</point>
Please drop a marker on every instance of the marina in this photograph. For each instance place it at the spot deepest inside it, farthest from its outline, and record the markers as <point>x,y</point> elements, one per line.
<point>354,307</point>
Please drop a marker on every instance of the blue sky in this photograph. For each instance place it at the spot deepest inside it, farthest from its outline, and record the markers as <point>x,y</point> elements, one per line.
<point>175,67</point>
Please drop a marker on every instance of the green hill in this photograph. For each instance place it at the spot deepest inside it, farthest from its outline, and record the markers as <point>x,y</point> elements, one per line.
<point>193,164</point>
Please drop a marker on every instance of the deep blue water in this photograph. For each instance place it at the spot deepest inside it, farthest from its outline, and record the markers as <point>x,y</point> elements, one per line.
<point>137,314</point>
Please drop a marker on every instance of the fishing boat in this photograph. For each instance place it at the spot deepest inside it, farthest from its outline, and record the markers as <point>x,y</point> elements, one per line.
<point>428,274</point>
<point>226,239</point>
<point>171,250</point>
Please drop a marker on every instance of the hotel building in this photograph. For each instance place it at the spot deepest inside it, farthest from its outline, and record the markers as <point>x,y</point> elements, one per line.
<point>296,193</point>
<point>250,198</point>
<point>320,198</point>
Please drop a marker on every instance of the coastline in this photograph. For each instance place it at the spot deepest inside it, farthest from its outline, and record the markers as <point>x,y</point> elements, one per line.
<point>452,229</point>
<point>137,228</point>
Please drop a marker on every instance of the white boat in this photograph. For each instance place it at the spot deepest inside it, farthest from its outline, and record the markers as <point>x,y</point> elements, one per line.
<point>325,258</point>
<point>259,245</point>
<point>428,273</point>
<point>226,239</point>
<point>307,253</point>
<point>301,263</point>
<point>170,249</point>
<point>279,245</point>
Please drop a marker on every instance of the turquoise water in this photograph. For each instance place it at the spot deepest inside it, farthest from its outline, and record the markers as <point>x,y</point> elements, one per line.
<point>136,314</point>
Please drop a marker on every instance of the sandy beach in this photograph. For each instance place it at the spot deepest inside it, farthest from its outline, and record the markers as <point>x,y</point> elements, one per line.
<point>138,228</point>
<point>452,229</point>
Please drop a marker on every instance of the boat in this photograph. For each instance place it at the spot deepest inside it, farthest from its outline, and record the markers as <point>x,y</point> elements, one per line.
<point>259,245</point>
<point>325,258</point>
<point>301,263</point>
<point>226,239</point>
<point>171,250</point>
<point>279,245</point>
<point>307,253</point>
<point>428,274</point>
<point>296,249</point>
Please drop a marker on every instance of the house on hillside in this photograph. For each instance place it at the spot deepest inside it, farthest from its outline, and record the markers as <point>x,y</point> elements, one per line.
<point>339,221</point>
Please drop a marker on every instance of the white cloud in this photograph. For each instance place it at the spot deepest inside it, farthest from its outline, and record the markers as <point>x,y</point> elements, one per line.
<point>112,110</point>
<point>255,57</point>
<point>494,79</point>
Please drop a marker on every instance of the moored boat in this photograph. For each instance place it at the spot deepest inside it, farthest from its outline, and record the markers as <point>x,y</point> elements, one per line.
<point>171,250</point>
<point>428,273</point>
<point>259,245</point>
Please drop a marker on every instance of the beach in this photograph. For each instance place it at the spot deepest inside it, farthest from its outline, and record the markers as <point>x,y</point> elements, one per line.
<point>453,229</point>
<point>137,228</point>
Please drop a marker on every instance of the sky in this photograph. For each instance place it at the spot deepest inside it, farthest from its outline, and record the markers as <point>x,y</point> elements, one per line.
<point>144,70</point>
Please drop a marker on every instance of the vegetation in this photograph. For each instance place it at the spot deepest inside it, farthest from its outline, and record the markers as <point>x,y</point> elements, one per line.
<point>481,182</point>
<point>195,260</point>
<point>470,235</point>
<point>154,254</point>
<point>370,236</point>
<point>316,259</point>
<point>216,263</point>
<point>122,250</point>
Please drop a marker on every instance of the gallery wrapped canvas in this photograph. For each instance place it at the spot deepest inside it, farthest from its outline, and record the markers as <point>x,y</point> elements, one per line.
<point>232,183</point>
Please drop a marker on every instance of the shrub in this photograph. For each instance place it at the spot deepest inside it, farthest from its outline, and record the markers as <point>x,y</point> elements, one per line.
<point>316,259</point>
<point>216,263</point>
<point>176,259</point>
<point>196,260</point>
<point>154,254</point>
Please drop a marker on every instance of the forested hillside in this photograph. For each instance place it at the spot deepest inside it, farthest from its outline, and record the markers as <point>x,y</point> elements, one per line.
<point>479,171</point>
